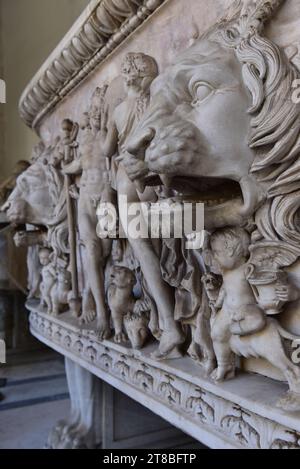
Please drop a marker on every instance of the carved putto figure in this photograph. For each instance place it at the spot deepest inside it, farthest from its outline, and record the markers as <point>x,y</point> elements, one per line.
<point>61,292</point>
<point>48,277</point>
<point>239,313</point>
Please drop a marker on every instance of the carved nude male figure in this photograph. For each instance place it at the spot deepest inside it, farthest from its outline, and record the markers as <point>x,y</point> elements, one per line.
<point>139,70</point>
<point>92,165</point>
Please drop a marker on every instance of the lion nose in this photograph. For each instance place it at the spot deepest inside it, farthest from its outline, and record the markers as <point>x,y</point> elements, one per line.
<point>140,141</point>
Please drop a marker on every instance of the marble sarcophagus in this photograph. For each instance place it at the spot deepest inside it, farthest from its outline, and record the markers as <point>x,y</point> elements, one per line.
<point>150,112</point>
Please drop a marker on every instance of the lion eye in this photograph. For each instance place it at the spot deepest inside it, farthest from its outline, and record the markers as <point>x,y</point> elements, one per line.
<point>201,91</point>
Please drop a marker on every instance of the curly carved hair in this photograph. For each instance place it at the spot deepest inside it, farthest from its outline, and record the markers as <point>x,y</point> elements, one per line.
<point>275,126</point>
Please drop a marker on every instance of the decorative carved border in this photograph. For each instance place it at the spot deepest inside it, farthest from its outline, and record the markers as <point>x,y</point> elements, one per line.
<point>214,420</point>
<point>104,25</point>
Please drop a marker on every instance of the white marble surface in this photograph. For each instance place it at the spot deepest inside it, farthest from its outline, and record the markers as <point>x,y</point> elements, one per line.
<point>177,390</point>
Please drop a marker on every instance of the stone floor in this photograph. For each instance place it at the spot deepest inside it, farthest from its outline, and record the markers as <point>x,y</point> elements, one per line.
<point>35,397</point>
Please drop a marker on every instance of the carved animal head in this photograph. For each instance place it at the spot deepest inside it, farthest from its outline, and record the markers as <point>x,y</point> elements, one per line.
<point>136,325</point>
<point>122,277</point>
<point>35,198</point>
<point>211,283</point>
<point>222,116</point>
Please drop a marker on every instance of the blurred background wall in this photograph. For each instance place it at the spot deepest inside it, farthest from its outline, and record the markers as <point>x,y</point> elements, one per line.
<point>29,31</point>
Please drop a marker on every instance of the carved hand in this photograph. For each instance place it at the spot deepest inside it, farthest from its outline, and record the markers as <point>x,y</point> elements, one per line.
<point>287,293</point>
<point>135,168</point>
<point>74,192</point>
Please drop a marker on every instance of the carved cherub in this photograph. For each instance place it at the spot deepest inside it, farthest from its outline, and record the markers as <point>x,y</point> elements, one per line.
<point>48,277</point>
<point>120,299</point>
<point>238,312</point>
<point>62,290</point>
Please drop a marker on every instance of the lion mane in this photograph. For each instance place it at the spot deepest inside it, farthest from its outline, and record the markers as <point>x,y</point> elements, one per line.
<point>275,125</point>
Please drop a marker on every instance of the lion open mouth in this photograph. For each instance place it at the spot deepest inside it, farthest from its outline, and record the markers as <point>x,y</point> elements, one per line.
<point>226,202</point>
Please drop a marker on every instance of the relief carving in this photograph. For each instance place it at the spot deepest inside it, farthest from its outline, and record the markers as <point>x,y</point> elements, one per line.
<point>243,431</point>
<point>200,407</point>
<point>91,164</point>
<point>184,136</point>
<point>219,127</point>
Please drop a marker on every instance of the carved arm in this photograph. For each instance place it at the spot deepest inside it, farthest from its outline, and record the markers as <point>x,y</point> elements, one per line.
<point>73,168</point>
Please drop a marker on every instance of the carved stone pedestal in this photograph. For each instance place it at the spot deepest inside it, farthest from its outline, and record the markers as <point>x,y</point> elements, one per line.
<point>237,414</point>
<point>126,424</point>
<point>210,118</point>
<point>83,428</point>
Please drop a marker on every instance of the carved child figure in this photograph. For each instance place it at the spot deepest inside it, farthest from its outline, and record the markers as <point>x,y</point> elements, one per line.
<point>120,299</point>
<point>239,313</point>
<point>48,277</point>
<point>62,290</point>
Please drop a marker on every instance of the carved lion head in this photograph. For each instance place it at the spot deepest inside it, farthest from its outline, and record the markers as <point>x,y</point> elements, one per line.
<point>222,119</point>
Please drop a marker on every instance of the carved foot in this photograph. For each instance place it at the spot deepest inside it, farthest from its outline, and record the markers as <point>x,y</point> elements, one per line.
<point>55,435</point>
<point>87,317</point>
<point>89,313</point>
<point>169,345</point>
<point>193,352</point>
<point>67,436</point>
<point>223,373</point>
<point>121,338</point>
<point>290,402</point>
<point>208,366</point>
<point>103,331</point>
<point>82,430</point>
<point>75,307</point>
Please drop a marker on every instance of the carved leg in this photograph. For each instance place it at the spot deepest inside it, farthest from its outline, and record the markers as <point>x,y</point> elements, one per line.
<point>276,355</point>
<point>194,350</point>
<point>83,428</point>
<point>88,307</point>
<point>119,336</point>
<point>48,303</point>
<point>172,336</point>
<point>94,262</point>
<point>220,334</point>
<point>55,306</point>
<point>202,337</point>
